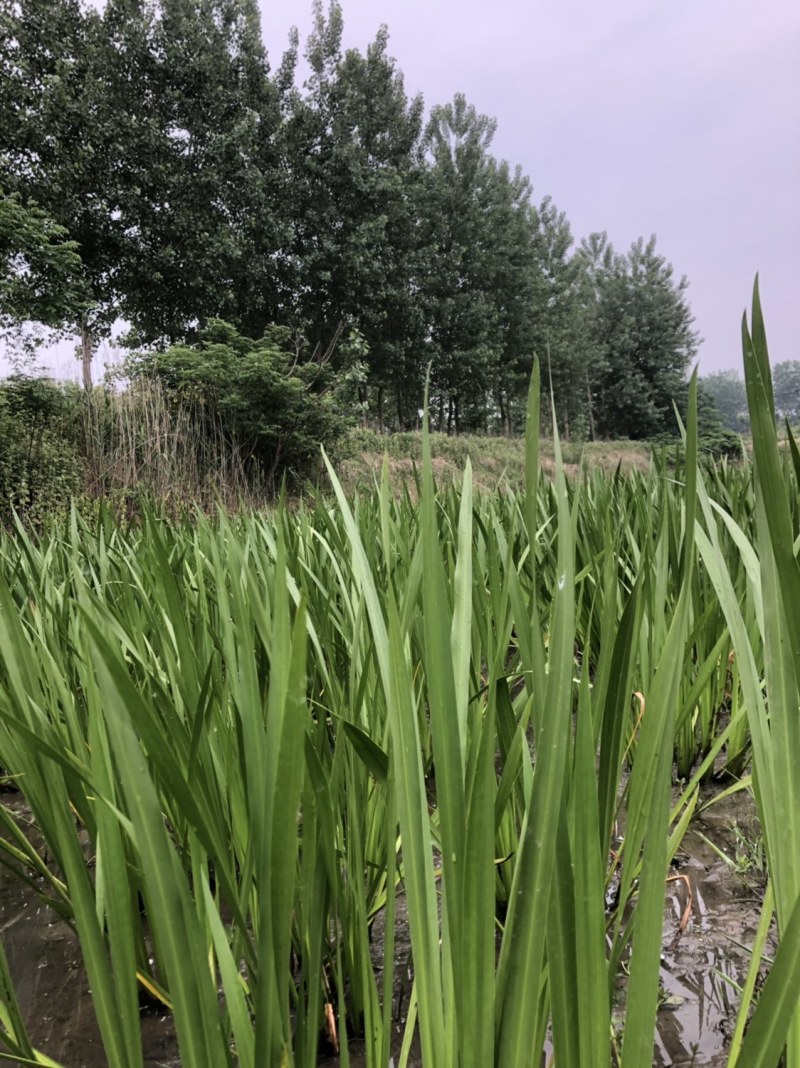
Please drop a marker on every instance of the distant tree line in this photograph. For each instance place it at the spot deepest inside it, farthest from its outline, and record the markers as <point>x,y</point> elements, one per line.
<point>727,390</point>
<point>155,167</point>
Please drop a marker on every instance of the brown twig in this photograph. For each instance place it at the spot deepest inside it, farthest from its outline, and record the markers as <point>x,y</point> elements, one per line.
<point>687,912</point>
<point>330,1026</point>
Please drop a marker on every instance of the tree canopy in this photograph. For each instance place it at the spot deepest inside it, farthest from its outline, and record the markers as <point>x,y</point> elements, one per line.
<point>40,270</point>
<point>172,177</point>
<point>730,397</point>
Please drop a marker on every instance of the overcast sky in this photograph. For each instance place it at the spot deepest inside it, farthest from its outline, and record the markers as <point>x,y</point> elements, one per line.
<point>680,119</point>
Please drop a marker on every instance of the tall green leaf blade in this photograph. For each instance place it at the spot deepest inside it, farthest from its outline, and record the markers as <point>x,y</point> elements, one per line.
<point>179,936</point>
<point>447,719</point>
<point>593,995</point>
<point>780,576</point>
<point>521,963</point>
<point>648,813</point>
<point>777,1003</point>
<point>478,897</point>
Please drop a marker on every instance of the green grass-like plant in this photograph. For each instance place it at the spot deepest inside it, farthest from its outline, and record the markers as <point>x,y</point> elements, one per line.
<point>251,742</point>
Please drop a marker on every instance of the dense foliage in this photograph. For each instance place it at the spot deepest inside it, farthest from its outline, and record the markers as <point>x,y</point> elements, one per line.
<point>276,405</point>
<point>39,271</point>
<point>41,468</point>
<point>197,182</point>
<point>228,422</point>
<point>730,398</point>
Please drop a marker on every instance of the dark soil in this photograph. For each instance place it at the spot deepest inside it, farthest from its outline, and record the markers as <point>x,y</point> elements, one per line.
<point>53,990</point>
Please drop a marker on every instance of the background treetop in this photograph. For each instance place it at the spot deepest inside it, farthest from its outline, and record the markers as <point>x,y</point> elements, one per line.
<point>183,178</point>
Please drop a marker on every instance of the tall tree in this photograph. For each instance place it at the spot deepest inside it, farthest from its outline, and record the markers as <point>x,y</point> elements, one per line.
<point>198,155</point>
<point>150,134</point>
<point>728,392</point>
<point>459,186</point>
<point>56,150</point>
<point>508,271</point>
<point>786,387</point>
<point>561,322</point>
<point>643,330</point>
<point>351,140</point>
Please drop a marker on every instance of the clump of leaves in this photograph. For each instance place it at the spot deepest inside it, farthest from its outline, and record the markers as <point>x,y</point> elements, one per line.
<point>40,467</point>
<point>40,274</point>
<point>277,402</point>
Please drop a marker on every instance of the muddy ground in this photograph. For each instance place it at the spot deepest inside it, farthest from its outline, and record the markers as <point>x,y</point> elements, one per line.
<point>694,1025</point>
<point>725,911</point>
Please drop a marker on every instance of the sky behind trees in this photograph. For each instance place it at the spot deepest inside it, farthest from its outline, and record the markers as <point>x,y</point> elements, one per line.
<point>678,119</point>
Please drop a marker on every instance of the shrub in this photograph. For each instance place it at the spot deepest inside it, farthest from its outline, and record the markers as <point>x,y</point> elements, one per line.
<point>277,405</point>
<point>40,466</point>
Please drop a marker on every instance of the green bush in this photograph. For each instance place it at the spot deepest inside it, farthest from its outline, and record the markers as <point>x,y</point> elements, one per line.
<point>41,468</point>
<point>277,404</point>
<point>721,442</point>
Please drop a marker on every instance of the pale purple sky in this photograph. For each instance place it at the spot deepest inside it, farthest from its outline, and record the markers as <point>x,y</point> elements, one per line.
<point>680,119</point>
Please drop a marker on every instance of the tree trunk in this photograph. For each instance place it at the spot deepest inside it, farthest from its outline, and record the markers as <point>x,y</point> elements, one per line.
<point>362,400</point>
<point>503,416</point>
<point>591,413</point>
<point>86,351</point>
<point>380,408</point>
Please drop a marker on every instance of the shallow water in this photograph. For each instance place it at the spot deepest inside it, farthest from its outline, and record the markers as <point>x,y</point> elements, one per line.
<point>725,913</point>
<point>45,962</point>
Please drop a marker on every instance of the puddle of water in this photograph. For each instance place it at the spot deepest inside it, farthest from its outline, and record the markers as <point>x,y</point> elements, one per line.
<point>725,911</point>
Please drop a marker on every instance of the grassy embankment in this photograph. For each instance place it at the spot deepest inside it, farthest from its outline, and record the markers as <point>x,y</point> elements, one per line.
<point>497,462</point>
